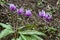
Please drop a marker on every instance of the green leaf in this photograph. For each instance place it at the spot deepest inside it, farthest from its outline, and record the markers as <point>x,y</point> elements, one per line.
<point>39,38</point>
<point>23,37</point>
<point>51,29</point>
<point>5,32</point>
<point>32,32</point>
<point>20,38</point>
<point>17,38</point>
<point>30,37</point>
<point>7,26</point>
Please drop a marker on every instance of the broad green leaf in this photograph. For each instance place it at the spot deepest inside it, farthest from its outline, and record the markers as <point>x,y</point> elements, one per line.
<point>23,37</point>
<point>39,38</point>
<point>7,26</point>
<point>30,38</point>
<point>5,32</point>
<point>32,32</point>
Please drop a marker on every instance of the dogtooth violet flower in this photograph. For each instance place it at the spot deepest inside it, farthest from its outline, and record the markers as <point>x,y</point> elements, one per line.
<point>20,11</point>
<point>12,7</point>
<point>42,13</point>
<point>28,13</point>
<point>45,15</point>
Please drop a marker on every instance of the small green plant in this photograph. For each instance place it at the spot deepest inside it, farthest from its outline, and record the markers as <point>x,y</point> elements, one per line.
<point>24,35</point>
<point>8,30</point>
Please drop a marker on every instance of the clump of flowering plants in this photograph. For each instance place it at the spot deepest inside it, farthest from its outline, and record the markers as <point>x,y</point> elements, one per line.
<point>17,19</point>
<point>16,29</point>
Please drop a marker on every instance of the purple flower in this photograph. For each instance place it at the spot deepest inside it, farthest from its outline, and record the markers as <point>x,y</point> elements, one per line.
<point>48,17</point>
<point>42,13</point>
<point>20,11</point>
<point>28,13</point>
<point>12,7</point>
<point>45,15</point>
